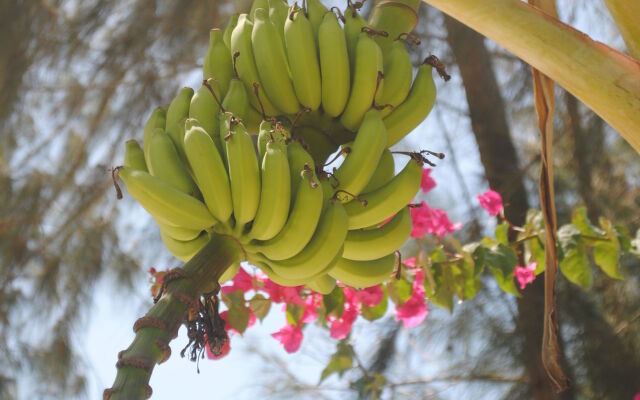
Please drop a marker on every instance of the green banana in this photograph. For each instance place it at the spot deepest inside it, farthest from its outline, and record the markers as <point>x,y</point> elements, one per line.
<point>209,170</point>
<point>217,61</point>
<point>270,56</point>
<point>205,108</point>
<point>368,64</point>
<point>353,24</point>
<point>303,219</point>
<point>246,65</point>
<point>371,244</point>
<point>157,119</point>
<point>183,251</point>
<point>275,195</point>
<point>278,12</point>
<point>328,190</point>
<point>165,163</point>
<point>236,101</point>
<point>164,202</point>
<point>360,164</point>
<point>301,165</point>
<point>303,58</point>
<point>244,173</point>
<point>289,281</point>
<point>176,113</point>
<point>178,232</point>
<point>323,284</point>
<point>398,73</point>
<point>252,121</point>
<point>270,131</point>
<point>282,281</point>
<point>387,200</point>
<point>264,4</point>
<point>408,115</point>
<point>315,12</point>
<point>134,156</point>
<point>326,243</point>
<point>363,274</point>
<point>384,172</point>
<point>334,65</point>
<point>321,146</point>
<point>228,30</point>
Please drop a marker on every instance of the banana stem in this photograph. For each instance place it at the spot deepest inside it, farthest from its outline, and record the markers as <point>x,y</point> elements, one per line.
<point>160,325</point>
<point>604,79</point>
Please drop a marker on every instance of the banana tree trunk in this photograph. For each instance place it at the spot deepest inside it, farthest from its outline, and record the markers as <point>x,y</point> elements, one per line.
<point>160,325</point>
<point>604,79</point>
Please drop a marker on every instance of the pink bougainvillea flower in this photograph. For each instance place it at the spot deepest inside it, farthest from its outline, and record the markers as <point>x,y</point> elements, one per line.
<point>241,281</point>
<point>427,183</point>
<point>341,327</point>
<point>311,304</point>
<point>410,262</point>
<point>431,220</point>
<point>637,396</point>
<point>491,201</point>
<point>526,275</point>
<point>290,336</point>
<point>226,347</point>
<point>371,296</point>
<point>414,310</point>
<point>291,295</point>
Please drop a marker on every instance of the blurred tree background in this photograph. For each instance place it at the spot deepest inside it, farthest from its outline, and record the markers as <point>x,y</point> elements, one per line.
<point>79,78</point>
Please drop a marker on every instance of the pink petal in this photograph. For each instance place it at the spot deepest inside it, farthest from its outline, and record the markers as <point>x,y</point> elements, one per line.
<point>291,295</point>
<point>226,347</point>
<point>290,336</point>
<point>414,310</point>
<point>410,262</point>
<point>311,305</point>
<point>241,281</point>
<point>491,201</point>
<point>371,296</point>
<point>637,396</point>
<point>431,220</point>
<point>427,182</point>
<point>525,275</point>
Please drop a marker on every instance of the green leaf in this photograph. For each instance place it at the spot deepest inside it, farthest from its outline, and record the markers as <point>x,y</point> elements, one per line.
<point>377,311</point>
<point>334,302</point>
<point>260,306</point>
<point>294,313</point>
<point>399,290</point>
<point>574,263</point>
<point>606,255</point>
<point>581,221</point>
<point>536,250</point>
<point>238,316</point>
<point>340,361</point>
<point>471,274</point>
<point>502,261</point>
<point>502,233</point>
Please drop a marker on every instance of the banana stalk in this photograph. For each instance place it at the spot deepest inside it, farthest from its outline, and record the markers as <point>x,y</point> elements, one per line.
<point>604,79</point>
<point>136,363</point>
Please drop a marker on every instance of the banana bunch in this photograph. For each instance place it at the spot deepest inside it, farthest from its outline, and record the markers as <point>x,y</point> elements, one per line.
<point>284,89</point>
